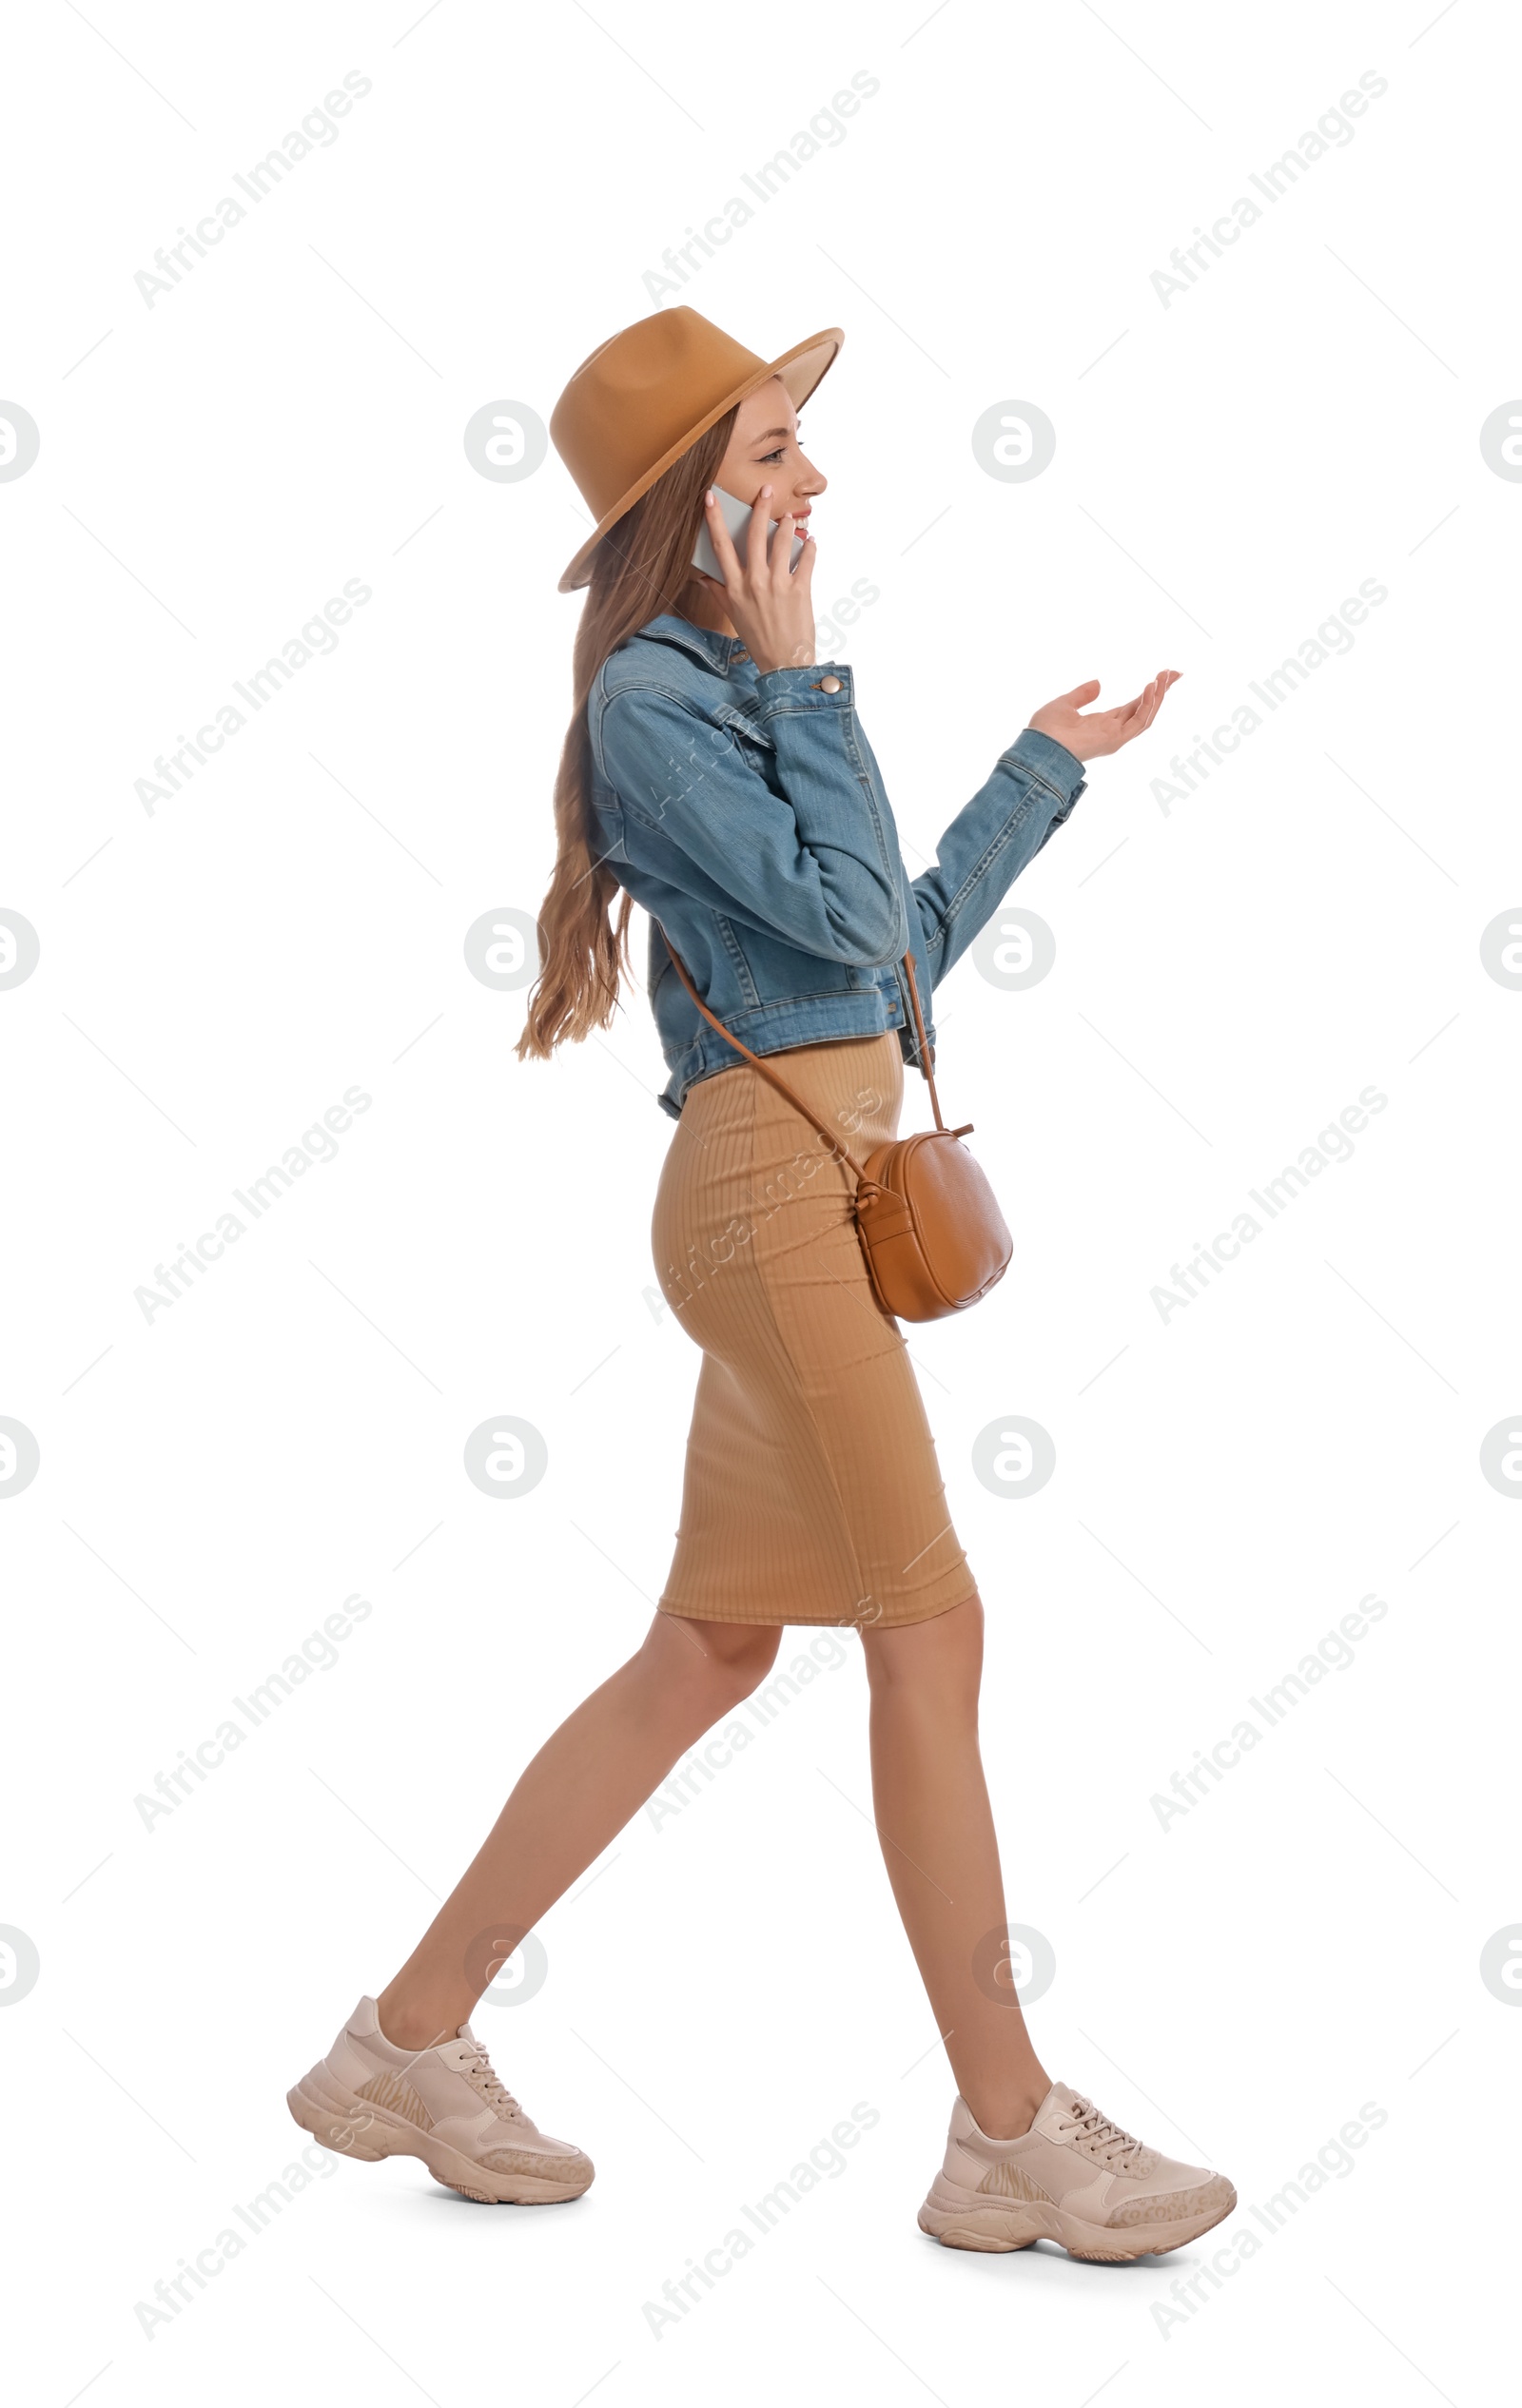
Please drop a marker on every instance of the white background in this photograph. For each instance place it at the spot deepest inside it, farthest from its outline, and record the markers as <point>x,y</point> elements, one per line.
<point>1229,976</point>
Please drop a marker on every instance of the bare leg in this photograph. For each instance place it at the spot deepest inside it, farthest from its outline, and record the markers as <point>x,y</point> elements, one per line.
<point>937,1834</point>
<point>591,1774</point>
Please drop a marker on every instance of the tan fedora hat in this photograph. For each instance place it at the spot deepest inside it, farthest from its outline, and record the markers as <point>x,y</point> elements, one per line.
<point>645,394</point>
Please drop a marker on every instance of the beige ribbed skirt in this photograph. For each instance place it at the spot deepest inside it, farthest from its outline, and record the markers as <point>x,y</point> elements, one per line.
<point>812,1491</point>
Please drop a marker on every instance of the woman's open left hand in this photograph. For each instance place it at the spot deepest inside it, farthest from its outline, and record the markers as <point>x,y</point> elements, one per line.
<point>1102,731</point>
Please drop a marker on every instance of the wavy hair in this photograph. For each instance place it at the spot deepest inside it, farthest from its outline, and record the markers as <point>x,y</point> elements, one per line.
<point>641,568</point>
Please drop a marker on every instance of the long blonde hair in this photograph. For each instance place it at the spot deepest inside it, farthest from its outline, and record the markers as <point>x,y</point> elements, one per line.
<point>641,569</point>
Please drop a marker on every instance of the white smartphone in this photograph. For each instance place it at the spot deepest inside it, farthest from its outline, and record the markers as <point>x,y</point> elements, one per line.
<point>736,517</point>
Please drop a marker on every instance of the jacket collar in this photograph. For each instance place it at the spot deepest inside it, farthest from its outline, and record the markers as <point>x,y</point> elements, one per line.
<point>702,644</point>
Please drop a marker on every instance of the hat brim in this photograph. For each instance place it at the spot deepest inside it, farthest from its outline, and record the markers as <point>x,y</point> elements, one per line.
<point>801,370</point>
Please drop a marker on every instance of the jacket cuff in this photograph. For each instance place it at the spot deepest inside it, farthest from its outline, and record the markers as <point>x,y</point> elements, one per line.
<point>1050,761</point>
<point>790,690</point>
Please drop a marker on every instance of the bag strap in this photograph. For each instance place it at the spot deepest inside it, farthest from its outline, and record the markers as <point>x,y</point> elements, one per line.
<point>927,1053</point>
<point>777,1080</point>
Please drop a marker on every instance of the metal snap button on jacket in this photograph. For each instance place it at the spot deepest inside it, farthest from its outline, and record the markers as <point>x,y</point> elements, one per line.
<point>826,685</point>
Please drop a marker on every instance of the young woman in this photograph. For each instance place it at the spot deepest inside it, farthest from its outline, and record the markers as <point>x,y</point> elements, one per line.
<point>718,775</point>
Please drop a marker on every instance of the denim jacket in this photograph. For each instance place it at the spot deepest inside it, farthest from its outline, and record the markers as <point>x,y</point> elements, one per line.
<point>748,814</point>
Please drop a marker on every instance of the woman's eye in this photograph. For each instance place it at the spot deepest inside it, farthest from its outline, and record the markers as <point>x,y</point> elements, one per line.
<point>767,458</point>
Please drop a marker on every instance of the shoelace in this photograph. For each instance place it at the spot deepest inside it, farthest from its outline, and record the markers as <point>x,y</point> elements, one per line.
<point>1117,2143</point>
<point>480,2071</point>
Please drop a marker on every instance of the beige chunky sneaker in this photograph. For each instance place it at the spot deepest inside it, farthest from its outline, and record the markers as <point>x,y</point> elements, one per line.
<point>1075,2178</point>
<point>369,2100</point>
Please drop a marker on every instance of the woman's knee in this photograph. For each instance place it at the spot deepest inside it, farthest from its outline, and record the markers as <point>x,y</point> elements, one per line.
<point>723,1660</point>
<point>942,1656</point>
<point>746,1653</point>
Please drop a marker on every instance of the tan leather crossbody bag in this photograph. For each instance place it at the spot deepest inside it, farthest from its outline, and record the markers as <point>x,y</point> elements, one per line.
<point>931,1231</point>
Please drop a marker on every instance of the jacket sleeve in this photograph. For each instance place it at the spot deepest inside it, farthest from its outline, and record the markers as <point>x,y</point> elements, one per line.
<point>814,865</point>
<point>1032,791</point>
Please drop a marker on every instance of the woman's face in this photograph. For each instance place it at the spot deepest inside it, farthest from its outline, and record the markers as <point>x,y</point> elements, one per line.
<point>764,450</point>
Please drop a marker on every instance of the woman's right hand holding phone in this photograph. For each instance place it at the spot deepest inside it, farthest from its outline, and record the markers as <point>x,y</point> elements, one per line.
<point>770,604</point>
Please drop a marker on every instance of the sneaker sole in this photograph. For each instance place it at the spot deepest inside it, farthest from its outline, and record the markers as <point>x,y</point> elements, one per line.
<point>962,2220</point>
<point>352,2126</point>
